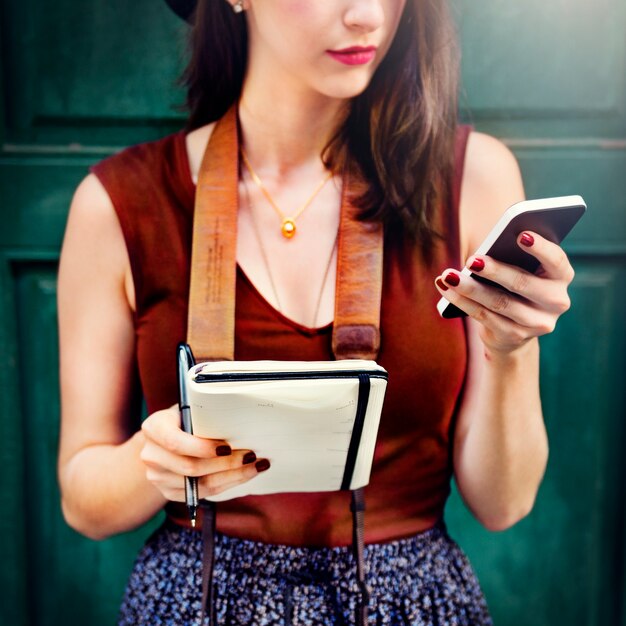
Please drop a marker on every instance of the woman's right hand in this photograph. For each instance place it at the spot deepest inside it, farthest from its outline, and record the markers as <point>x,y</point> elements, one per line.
<point>170,454</point>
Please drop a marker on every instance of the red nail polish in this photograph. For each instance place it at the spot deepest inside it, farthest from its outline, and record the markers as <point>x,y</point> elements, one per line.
<point>262,465</point>
<point>452,279</point>
<point>223,450</point>
<point>249,457</point>
<point>527,240</point>
<point>477,265</point>
<point>441,284</point>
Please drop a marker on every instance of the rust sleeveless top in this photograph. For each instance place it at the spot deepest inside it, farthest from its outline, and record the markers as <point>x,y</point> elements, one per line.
<point>152,191</point>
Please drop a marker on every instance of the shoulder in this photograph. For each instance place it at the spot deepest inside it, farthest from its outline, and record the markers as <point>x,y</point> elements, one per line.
<point>491,183</point>
<point>91,204</point>
<point>93,244</point>
<point>487,159</point>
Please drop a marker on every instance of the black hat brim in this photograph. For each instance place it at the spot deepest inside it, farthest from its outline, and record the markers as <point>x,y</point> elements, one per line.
<point>182,8</point>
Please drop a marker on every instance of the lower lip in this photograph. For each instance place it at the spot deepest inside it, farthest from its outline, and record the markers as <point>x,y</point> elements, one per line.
<point>353,58</point>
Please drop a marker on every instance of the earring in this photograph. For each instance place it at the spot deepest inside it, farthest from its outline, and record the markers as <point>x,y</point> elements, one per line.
<point>238,6</point>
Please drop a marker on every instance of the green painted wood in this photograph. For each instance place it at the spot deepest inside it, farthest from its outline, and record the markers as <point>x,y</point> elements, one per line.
<point>550,78</point>
<point>38,193</point>
<point>539,41</point>
<point>64,70</point>
<point>553,69</point>
<point>596,174</point>
<point>13,592</point>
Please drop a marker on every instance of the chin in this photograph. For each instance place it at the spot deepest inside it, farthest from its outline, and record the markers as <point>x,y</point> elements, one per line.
<point>344,89</point>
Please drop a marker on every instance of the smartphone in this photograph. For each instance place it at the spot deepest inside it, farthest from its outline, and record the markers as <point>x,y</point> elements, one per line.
<point>552,218</point>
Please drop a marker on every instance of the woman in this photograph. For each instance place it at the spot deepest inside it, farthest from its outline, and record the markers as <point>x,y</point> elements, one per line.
<point>320,88</point>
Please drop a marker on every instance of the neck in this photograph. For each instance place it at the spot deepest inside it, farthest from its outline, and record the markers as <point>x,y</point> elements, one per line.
<point>286,132</point>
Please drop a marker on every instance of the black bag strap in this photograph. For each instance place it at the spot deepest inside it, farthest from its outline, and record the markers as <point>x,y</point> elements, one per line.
<point>208,560</point>
<point>357,507</point>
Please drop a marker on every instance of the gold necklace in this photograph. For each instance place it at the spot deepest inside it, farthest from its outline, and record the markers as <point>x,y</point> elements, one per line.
<point>269,271</point>
<point>288,224</point>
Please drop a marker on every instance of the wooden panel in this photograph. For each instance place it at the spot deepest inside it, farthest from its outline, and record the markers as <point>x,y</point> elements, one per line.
<point>37,192</point>
<point>560,563</point>
<point>595,173</point>
<point>88,576</point>
<point>13,590</point>
<point>534,59</point>
<point>63,70</point>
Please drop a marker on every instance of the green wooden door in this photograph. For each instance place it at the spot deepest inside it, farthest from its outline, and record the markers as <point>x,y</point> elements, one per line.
<point>84,79</point>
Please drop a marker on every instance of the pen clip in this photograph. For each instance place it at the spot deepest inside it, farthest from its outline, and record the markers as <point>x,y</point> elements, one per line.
<point>185,362</point>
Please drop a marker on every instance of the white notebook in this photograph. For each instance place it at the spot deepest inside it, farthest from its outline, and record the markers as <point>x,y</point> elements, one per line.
<point>315,421</point>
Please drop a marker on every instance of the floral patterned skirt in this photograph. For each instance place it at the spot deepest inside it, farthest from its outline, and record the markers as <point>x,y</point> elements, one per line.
<point>425,580</point>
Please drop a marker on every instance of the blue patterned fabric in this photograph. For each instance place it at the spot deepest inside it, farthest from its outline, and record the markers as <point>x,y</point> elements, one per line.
<point>425,580</point>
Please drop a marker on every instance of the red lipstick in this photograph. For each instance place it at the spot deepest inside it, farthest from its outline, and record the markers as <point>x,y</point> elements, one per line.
<point>355,55</point>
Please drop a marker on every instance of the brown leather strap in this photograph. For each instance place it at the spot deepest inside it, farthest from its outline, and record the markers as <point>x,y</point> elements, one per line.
<point>356,333</point>
<point>211,317</point>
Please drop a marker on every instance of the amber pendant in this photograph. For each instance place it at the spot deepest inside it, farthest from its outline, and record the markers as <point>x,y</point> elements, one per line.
<point>288,229</point>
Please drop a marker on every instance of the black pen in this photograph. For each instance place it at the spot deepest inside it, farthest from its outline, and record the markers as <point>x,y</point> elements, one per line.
<point>185,363</point>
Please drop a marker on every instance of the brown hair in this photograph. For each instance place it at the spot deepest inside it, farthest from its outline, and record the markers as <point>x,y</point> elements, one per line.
<point>400,131</point>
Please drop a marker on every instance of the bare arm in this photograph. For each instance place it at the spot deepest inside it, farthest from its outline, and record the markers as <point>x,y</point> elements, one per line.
<point>113,475</point>
<point>500,443</point>
<point>99,468</point>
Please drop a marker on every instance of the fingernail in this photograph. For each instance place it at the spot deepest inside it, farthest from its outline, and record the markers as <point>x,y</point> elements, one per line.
<point>527,240</point>
<point>262,465</point>
<point>441,284</point>
<point>452,279</point>
<point>223,450</point>
<point>249,457</point>
<point>477,265</point>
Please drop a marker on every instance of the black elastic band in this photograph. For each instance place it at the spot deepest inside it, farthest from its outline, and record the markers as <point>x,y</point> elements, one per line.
<point>358,531</point>
<point>357,505</point>
<point>357,430</point>
<point>208,559</point>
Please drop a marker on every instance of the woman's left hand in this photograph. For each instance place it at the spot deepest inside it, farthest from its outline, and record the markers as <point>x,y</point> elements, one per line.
<point>534,304</point>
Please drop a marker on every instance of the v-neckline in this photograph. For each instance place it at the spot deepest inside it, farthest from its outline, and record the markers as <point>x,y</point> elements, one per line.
<point>190,186</point>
